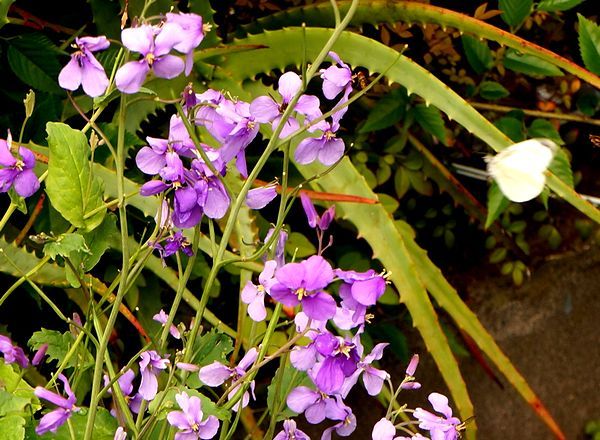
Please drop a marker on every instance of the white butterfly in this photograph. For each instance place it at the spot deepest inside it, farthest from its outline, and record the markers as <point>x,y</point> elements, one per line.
<point>519,169</point>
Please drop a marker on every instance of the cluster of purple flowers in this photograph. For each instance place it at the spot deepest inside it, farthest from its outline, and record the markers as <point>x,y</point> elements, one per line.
<point>176,31</point>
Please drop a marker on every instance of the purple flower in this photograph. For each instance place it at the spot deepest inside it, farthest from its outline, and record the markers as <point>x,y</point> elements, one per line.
<point>84,69</point>
<point>310,402</point>
<point>327,148</point>
<point>266,109</point>
<point>12,353</point>
<point>55,418</point>
<point>339,361</point>
<point>154,45</point>
<point>337,410</point>
<point>39,355</point>
<point>314,221</point>
<point>440,428</point>
<point>174,243</point>
<point>17,172</point>
<point>150,367</point>
<point>302,283</point>
<point>189,420</point>
<point>125,384</point>
<point>372,377</point>
<point>365,287</point>
<point>290,432</point>
<point>254,295</point>
<point>191,35</point>
<point>336,78</point>
<point>216,374</point>
<point>258,198</point>
<point>162,317</point>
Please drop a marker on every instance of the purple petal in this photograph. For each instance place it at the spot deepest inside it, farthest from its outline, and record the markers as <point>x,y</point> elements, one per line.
<point>52,397</point>
<point>208,429</point>
<point>303,358</point>
<point>248,359</point>
<point>439,402</point>
<point>185,198</point>
<point>6,158</point>
<point>289,85</point>
<point>320,306</point>
<point>258,198</point>
<point>170,34</point>
<point>367,292</point>
<point>264,109</point>
<point>309,105</point>
<point>318,273</point>
<point>28,157</point>
<point>291,275</point>
<point>217,200</point>
<point>168,66</point>
<point>309,208</point>
<point>214,374</point>
<point>148,385</point>
<point>93,79</point>
<point>373,380</point>
<point>69,77</point>
<point>39,355</point>
<point>315,413</point>
<point>178,419</point>
<point>290,126</point>
<point>300,398</point>
<point>412,365</point>
<point>26,183</point>
<point>308,150</point>
<point>52,421</point>
<point>384,430</point>
<point>93,44</point>
<point>153,187</point>
<point>331,151</point>
<point>149,162</point>
<point>131,76</point>
<point>257,310</point>
<point>281,293</point>
<point>329,377</point>
<point>139,39</point>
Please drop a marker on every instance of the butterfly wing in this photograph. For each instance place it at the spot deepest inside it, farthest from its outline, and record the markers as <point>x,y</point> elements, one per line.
<point>519,169</point>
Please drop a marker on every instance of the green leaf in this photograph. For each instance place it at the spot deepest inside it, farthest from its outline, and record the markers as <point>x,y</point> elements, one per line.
<point>401,182</point>
<point>558,5</point>
<point>512,127</point>
<point>106,17</point>
<point>34,60</point>
<point>561,167</point>
<point>496,205</point>
<point>299,245</point>
<point>478,53</point>
<point>4,5</point>
<point>105,426</point>
<point>65,244</point>
<point>10,403</point>
<point>589,43</point>
<point>209,408</point>
<point>99,240</point>
<point>11,380</point>
<point>529,64</point>
<point>17,200</point>
<point>430,119</point>
<point>12,427</point>
<point>491,90</point>
<point>543,128</point>
<point>212,346</point>
<point>387,111</point>
<point>389,203</point>
<point>278,390</point>
<point>72,188</point>
<point>515,11</point>
<point>59,345</point>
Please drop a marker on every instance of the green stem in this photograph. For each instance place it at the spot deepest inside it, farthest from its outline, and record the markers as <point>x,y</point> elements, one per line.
<point>120,165</point>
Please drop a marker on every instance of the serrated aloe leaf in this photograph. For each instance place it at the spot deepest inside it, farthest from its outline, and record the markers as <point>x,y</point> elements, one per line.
<point>73,190</point>
<point>13,257</point>
<point>382,11</point>
<point>282,50</point>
